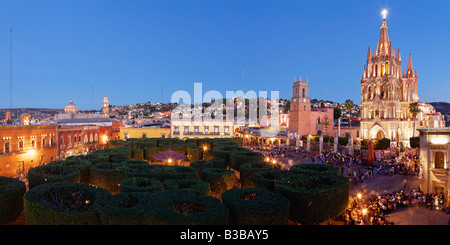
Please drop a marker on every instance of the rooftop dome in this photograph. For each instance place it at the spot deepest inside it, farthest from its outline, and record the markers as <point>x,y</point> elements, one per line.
<point>71,108</point>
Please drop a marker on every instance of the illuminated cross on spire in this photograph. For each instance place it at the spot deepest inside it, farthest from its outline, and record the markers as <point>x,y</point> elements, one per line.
<point>384,13</point>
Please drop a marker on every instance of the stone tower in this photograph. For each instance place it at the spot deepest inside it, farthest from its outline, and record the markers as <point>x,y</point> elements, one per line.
<point>300,110</point>
<point>105,108</point>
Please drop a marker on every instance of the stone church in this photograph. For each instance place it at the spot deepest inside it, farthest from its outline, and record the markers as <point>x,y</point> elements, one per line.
<point>387,92</point>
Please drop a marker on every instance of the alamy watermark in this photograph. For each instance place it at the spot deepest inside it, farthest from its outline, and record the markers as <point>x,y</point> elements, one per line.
<point>237,107</point>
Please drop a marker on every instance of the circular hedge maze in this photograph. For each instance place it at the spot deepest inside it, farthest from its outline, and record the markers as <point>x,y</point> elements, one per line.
<point>255,206</point>
<point>62,203</point>
<point>225,184</point>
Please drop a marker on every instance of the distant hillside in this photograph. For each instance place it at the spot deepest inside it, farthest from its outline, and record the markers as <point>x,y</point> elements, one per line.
<point>35,113</point>
<point>442,107</point>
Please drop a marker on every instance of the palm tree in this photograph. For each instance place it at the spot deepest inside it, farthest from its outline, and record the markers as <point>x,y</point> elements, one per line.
<point>414,110</point>
<point>349,106</point>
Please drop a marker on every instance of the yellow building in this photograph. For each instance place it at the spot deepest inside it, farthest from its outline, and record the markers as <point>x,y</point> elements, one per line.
<point>145,132</point>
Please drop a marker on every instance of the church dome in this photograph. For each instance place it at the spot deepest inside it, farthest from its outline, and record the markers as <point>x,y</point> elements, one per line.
<point>71,108</point>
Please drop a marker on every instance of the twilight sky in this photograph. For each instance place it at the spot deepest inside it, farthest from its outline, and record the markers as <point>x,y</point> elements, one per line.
<point>138,51</point>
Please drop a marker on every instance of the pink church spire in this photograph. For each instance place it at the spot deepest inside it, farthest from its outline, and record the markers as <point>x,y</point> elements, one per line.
<point>384,45</point>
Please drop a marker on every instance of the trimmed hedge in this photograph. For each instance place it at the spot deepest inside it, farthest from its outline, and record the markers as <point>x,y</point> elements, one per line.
<point>126,209</point>
<point>140,184</point>
<point>64,204</point>
<point>224,151</point>
<point>220,180</point>
<point>248,169</point>
<point>255,206</point>
<point>194,153</point>
<point>239,158</point>
<point>81,164</point>
<point>107,175</point>
<point>159,172</point>
<point>180,147</point>
<point>316,167</point>
<point>136,162</point>
<point>200,165</point>
<point>218,163</point>
<point>192,185</point>
<point>314,197</point>
<point>149,152</point>
<point>52,173</point>
<point>175,207</point>
<point>265,179</point>
<point>11,199</point>
<point>95,157</point>
<point>137,154</point>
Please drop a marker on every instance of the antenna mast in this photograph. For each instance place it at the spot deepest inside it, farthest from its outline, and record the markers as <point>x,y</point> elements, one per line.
<point>10,68</point>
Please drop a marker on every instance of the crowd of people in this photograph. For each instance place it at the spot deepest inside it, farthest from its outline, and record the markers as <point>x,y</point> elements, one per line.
<point>373,209</point>
<point>369,209</point>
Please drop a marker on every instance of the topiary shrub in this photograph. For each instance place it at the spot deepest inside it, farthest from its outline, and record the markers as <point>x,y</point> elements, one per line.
<point>248,169</point>
<point>117,159</point>
<point>178,146</point>
<point>159,172</point>
<point>192,185</point>
<point>255,206</point>
<point>175,207</point>
<point>194,153</point>
<point>200,165</point>
<point>64,204</point>
<point>136,162</point>
<point>118,152</point>
<point>137,154</point>
<point>81,164</point>
<point>224,151</point>
<point>149,152</point>
<point>220,180</point>
<point>107,176</point>
<point>314,197</point>
<point>126,209</point>
<point>52,173</point>
<point>141,184</point>
<point>218,163</point>
<point>239,158</point>
<point>315,167</point>
<point>265,179</point>
<point>176,172</point>
<point>11,199</point>
<point>95,157</point>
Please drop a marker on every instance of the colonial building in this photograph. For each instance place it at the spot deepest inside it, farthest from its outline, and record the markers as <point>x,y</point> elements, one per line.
<point>386,94</point>
<point>202,128</point>
<point>26,146</point>
<point>145,132</point>
<point>435,161</point>
<point>77,140</point>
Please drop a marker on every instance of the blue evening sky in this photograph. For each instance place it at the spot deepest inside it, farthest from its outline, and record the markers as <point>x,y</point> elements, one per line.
<point>137,51</point>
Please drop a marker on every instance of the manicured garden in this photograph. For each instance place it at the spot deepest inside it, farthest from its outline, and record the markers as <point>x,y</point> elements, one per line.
<point>224,184</point>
